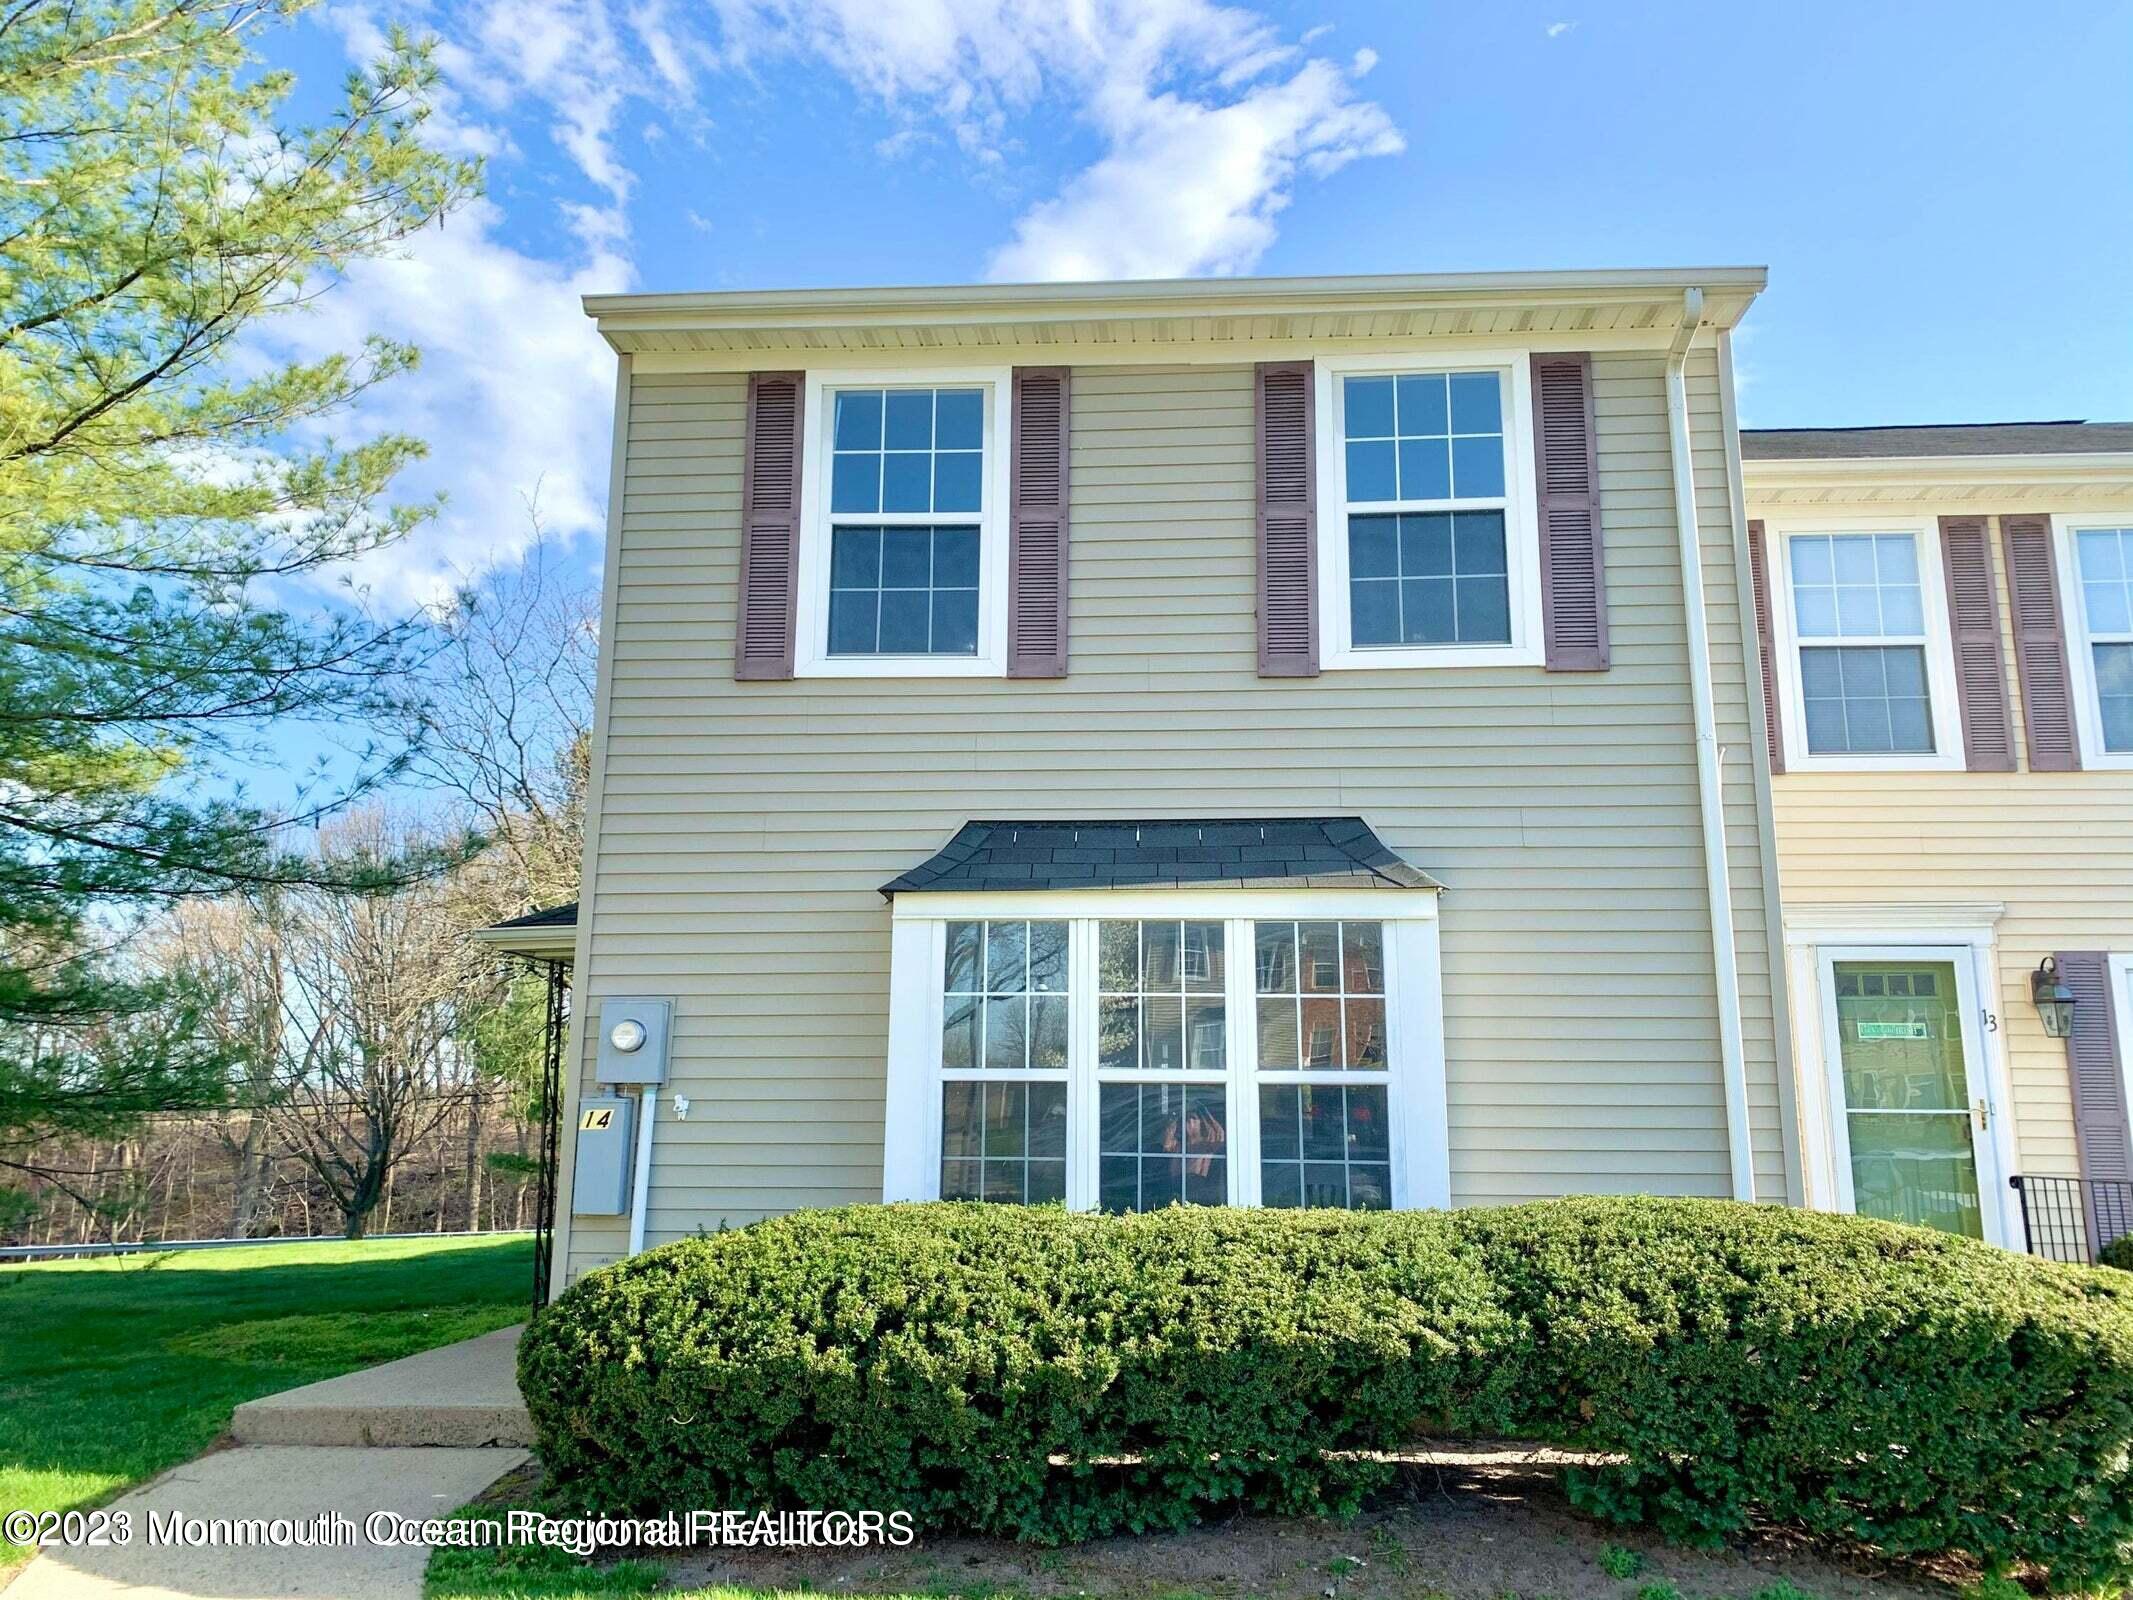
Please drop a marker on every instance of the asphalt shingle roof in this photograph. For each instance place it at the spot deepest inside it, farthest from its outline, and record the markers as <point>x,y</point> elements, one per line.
<point>1235,852</point>
<point>1947,439</point>
<point>552,917</point>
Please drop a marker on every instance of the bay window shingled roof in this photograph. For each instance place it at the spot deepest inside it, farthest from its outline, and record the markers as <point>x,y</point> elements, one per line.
<point>1223,852</point>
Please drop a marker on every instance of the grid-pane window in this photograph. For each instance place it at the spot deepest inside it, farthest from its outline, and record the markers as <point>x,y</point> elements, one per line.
<point>1324,1144</point>
<point>1423,467</point>
<point>1162,1057</point>
<point>1126,1063</point>
<point>1162,1143</point>
<point>1859,616</point>
<point>1323,1064</point>
<point>1003,1141</point>
<point>903,591</point>
<point>1160,1004</point>
<point>907,477</point>
<point>2105,558</point>
<point>1004,1022</point>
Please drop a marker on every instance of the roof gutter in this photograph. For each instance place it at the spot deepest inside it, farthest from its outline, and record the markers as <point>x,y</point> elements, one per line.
<point>1718,883</point>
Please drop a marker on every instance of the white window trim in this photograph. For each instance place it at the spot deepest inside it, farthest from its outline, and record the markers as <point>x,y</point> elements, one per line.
<point>1947,754</point>
<point>1336,649</point>
<point>1414,1012</point>
<point>2081,662</point>
<point>1964,932</point>
<point>811,657</point>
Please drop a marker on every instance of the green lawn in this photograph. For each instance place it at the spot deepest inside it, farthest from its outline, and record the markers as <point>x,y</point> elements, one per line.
<point>112,1370</point>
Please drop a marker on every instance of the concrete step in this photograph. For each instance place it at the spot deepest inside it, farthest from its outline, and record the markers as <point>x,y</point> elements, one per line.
<point>462,1395</point>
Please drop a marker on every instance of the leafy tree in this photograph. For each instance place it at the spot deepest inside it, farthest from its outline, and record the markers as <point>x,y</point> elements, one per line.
<point>155,211</point>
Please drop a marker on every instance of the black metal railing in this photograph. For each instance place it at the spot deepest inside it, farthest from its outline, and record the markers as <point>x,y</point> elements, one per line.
<point>2072,1219</point>
<point>555,1033</point>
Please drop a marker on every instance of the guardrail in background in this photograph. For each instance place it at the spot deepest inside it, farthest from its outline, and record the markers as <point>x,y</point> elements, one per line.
<point>2071,1219</point>
<point>61,1252</point>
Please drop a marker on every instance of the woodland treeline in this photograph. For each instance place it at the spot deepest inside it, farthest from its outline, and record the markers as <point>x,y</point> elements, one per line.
<point>378,1069</point>
<point>219,1013</point>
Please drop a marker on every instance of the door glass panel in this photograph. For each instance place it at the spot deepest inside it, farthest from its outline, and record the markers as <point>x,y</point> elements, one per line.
<point>1917,1168</point>
<point>1906,1094</point>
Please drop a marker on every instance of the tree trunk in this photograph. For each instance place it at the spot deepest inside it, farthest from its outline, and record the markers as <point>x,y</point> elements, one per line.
<point>244,1207</point>
<point>474,1163</point>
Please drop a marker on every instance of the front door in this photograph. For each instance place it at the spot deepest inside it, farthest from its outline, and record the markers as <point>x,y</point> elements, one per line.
<point>1908,1086</point>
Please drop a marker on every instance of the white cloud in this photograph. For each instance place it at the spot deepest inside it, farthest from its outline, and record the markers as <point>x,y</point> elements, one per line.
<point>1557,29</point>
<point>1208,117</point>
<point>513,395</point>
<point>567,55</point>
<point>1195,188</point>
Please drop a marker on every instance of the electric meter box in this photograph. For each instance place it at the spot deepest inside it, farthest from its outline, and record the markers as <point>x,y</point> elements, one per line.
<point>633,1041</point>
<point>600,1185</point>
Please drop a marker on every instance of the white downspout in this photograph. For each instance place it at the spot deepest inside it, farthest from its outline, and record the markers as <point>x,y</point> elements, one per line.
<point>1710,794</point>
<point>641,1189</point>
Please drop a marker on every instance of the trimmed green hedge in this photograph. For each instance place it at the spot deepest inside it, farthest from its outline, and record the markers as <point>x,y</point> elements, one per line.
<point>1054,1376</point>
<point>2118,1253</point>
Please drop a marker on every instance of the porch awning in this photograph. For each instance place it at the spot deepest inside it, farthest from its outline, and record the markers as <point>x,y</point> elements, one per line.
<point>547,935</point>
<point>1222,852</point>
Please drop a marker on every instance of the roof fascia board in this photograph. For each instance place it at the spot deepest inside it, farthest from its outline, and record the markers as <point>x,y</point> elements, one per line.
<point>2098,470</point>
<point>1731,288</point>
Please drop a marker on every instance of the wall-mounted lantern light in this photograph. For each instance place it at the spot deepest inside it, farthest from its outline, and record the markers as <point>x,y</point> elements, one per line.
<point>2055,1001</point>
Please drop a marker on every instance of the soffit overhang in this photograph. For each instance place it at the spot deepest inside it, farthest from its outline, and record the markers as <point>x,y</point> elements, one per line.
<point>2073,482</point>
<point>1553,306</point>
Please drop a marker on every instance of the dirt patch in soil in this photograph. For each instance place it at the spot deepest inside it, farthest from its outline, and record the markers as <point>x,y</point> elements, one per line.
<point>1447,1533</point>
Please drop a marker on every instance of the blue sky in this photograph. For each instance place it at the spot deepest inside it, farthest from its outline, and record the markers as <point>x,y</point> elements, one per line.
<point>1943,193</point>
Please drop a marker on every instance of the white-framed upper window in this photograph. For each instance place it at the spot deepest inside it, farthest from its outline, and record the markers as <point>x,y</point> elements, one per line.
<point>1866,665</point>
<point>903,524</point>
<point>1428,545</point>
<point>2096,583</point>
<point>1124,1050</point>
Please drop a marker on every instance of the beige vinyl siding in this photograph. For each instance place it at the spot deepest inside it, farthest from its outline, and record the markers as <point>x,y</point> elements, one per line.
<point>745,828</point>
<point>2056,848</point>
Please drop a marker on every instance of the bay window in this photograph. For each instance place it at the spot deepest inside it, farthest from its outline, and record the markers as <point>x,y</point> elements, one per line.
<point>1125,1051</point>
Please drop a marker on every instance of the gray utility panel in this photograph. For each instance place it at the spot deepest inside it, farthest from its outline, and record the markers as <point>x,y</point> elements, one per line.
<point>633,1041</point>
<point>600,1186</point>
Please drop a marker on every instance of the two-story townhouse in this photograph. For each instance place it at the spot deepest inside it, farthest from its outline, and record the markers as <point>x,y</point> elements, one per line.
<point>1267,741</point>
<point>1946,619</point>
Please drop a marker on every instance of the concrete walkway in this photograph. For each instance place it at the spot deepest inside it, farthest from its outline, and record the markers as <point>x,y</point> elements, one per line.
<point>337,1447</point>
<point>293,1481</point>
<point>464,1395</point>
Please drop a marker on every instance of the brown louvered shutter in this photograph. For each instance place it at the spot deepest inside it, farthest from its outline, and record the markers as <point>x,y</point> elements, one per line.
<point>2102,1136</point>
<point>1567,465</point>
<point>2040,644</point>
<point>1037,529</point>
<point>1288,521</point>
<point>1765,644</point>
<point>770,527</point>
<point>1974,626</point>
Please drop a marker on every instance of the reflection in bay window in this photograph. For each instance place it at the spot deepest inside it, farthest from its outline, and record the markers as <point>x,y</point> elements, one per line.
<point>1324,1124</point>
<point>1004,1012</point>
